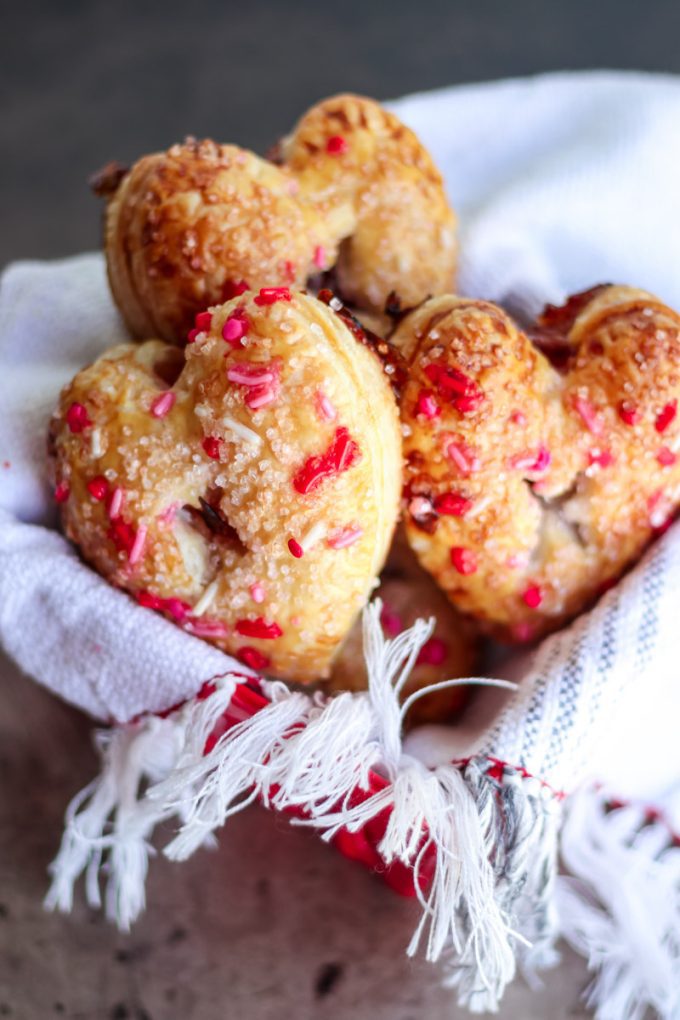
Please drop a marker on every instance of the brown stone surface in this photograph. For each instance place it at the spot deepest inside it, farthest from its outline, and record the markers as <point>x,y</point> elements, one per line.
<point>273,924</point>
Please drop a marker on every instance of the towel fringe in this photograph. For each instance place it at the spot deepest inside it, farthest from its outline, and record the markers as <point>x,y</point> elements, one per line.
<point>478,838</point>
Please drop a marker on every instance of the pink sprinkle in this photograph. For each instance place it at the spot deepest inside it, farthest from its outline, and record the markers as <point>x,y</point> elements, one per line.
<point>235,328</point>
<point>319,256</point>
<point>666,416</point>
<point>98,488</point>
<point>427,405</point>
<point>206,628</point>
<point>162,404</point>
<point>167,516</point>
<point>433,652</point>
<point>324,408</point>
<point>249,374</point>
<point>257,592</point>
<point>391,622</point>
<point>137,546</point>
<point>115,503</point>
<point>533,462</point>
<point>336,145</point>
<point>464,560</point>
<point>202,321</point>
<point>532,596</point>
<point>295,548</point>
<point>77,418</point>
<point>523,631</point>
<point>345,536</point>
<point>518,418</point>
<point>591,419</point>
<point>603,458</point>
<point>465,459</point>
<point>262,381</point>
<point>666,457</point>
<point>177,608</point>
<point>628,413</point>
<point>260,396</point>
<point>62,491</point>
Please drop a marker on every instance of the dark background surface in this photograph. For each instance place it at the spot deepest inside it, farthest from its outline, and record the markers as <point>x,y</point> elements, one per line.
<point>82,83</point>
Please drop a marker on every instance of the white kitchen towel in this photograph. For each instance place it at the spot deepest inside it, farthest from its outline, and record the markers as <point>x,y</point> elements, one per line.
<point>560,182</point>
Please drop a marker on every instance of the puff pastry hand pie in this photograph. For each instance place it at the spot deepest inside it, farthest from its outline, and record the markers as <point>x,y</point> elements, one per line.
<point>354,189</point>
<point>531,488</point>
<point>246,487</point>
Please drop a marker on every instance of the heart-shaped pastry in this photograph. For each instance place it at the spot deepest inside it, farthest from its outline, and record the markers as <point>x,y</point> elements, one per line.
<point>530,487</point>
<point>248,486</point>
<point>354,189</point>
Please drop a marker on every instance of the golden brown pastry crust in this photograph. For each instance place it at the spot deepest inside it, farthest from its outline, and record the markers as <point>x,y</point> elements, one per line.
<point>246,487</point>
<point>409,593</point>
<point>356,189</point>
<point>528,489</point>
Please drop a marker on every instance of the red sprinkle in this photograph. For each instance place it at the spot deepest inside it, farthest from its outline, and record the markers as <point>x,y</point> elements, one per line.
<point>62,492</point>
<point>518,418</point>
<point>342,453</point>
<point>532,596</point>
<point>211,445</point>
<point>666,457</point>
<point>77,418</point>
<point>98,488</point>
<point>666,416</point>
<point>191,335</point>
<point>230,289</point>
<point>289,271</point>
<point>589,415</point>
<point>452,504</point>
<point>464,560</point>
<point>258,628</point>
<point>295,548</point>
<point>433,652</point>
<point>454,386</point>
<point>628,413</point>
<point>202,321</point>
<point>603,458</point>
<point>391,622</point>
<point>122,535</point>
<point>162,404</point>
<point>253,658</point>
<point>149,601</point>
<point>270,295</point>
<point>235,328</point>
<point>427,405</point>
<point>336,145</point>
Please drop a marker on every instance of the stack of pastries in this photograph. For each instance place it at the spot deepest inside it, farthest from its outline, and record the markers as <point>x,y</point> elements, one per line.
<point>303,377</point>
